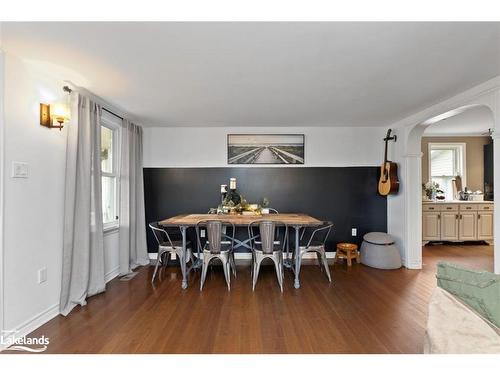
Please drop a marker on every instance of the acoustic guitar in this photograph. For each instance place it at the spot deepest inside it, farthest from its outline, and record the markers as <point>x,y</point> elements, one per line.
<point>388,182</point>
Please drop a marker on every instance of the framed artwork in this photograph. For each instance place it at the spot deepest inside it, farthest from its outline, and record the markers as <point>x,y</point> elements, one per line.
<point>265,149</point>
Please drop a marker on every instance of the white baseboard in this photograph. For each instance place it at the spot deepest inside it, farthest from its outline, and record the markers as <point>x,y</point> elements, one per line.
<point>32,324</point>
<point>414,266</point>
<point>112,274</point>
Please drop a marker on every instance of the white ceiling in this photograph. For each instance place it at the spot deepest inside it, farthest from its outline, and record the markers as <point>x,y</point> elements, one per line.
<point>264,74</point>
<point>474,121</point>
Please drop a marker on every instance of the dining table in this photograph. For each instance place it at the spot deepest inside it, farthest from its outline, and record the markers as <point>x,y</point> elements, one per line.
<point>185,221</point>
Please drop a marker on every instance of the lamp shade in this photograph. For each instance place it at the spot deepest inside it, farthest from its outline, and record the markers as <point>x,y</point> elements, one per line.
<point>59,112</point>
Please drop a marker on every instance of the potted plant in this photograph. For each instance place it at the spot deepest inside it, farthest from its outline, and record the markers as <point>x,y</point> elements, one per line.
<point>431,189</point>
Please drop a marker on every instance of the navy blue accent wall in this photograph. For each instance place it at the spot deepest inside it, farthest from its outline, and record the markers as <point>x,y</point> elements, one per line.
<point>347,196</point>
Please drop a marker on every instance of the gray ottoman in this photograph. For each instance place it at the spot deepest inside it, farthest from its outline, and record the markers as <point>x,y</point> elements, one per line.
<point>378,251</point>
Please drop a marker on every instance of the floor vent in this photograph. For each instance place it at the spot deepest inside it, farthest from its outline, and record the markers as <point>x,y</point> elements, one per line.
<point>128,276</point>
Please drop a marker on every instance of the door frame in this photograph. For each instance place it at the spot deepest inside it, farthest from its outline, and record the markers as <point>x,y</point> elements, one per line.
<point>2,175</point>
<point>405,209</point>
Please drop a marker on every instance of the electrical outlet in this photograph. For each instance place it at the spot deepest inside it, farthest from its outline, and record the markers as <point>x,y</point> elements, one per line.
<point>202,233</point>
<point>354,232</point>
<point>42,275</point>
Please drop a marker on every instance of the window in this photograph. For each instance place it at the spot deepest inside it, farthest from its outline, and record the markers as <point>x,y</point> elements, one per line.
<point>446,161</point>
<point>110,127</point>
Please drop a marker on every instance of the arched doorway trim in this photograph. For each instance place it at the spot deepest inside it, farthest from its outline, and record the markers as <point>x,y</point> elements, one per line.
<point>404,210</point>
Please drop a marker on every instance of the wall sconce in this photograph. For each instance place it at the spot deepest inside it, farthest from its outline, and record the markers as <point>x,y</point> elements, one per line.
<point>56,113</point>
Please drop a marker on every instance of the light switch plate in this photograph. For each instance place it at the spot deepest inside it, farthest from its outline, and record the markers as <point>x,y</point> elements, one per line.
<point>202,233</point>
<point>354,232</point>
<point>42,275</point>
<point>19,169</point>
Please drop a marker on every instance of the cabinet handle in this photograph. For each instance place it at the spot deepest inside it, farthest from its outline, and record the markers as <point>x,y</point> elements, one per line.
<point>439,216</point>
<point>478,216</point>
<point>460,216</point>
<point>456,216</point>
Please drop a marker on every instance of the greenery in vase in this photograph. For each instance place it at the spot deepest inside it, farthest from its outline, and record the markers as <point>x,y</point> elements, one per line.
<point>431,189</point>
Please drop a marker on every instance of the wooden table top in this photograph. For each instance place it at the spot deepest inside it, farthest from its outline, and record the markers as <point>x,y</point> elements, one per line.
<point>240,220</point>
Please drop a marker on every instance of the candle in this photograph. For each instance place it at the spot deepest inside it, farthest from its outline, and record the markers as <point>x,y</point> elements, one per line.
<point>232,183</point>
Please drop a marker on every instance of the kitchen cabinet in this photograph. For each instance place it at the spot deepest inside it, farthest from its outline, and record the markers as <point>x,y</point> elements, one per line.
<point>457,221</point>
<point>449,226</point>
<point>485,225</point>
<point>431,226</point>
<point>467,226</point>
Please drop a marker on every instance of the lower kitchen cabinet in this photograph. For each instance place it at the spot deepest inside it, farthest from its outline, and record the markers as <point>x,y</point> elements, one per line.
<point>472,221</point>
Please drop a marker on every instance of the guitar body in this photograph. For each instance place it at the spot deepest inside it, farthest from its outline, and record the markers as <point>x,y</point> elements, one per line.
<point>388,182</point>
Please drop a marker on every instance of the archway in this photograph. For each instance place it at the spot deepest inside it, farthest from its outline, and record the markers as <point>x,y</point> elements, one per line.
<point>413,169</point>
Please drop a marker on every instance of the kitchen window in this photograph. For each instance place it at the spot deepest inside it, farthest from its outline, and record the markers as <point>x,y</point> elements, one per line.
<point>446,161</point>
<point>110,131</point>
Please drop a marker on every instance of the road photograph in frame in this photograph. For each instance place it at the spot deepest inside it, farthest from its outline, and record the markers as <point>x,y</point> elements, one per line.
<point>265,148</point>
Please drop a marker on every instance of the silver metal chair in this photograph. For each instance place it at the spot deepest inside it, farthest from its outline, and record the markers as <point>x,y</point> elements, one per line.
<point>272,211</point>
<point>215,248</point>
<point>167,247</point>
<point>267,248</point>
<point>316,243</point>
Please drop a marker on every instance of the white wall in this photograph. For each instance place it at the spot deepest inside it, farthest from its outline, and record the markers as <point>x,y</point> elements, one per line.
<point>111,260</point>
<point>206,147</point>
<point>34,206</point>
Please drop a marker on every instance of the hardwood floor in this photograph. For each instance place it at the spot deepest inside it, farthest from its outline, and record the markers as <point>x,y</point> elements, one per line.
<point>364,310</point>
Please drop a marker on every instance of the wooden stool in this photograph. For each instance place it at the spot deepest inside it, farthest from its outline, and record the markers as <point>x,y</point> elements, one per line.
<point>347,251</point>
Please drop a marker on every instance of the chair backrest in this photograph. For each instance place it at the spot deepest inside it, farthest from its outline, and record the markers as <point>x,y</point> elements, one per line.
<point>273,210</point>
<point>321,233</point>
<point>214,234</point>
<point>215,230</point>
<point>269,231</point>
<point>161,235</point>
<point>267,234</point>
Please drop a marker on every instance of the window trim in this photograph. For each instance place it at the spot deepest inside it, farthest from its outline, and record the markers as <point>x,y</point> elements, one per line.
<point>461,146</point>
<point>113,123</point>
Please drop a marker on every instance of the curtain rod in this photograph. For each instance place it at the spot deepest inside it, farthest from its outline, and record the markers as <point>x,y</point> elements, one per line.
<point>114,114</point>
<point>103,104</point>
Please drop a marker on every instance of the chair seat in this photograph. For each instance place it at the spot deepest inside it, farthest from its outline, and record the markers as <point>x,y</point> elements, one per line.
<point>223,247</point>
<point>175,244</point>
<point>276,247</point>
<point>312,244</point>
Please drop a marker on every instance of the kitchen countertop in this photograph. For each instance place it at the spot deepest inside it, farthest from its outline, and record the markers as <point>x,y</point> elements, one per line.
<point>457,201</point>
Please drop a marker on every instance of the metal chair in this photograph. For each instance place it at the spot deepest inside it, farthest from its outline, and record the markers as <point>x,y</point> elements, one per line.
<point>272,211</point>
<point>316,243</point>
<point>215,248</point>
<point>167,247</point>
<point>267,248</point>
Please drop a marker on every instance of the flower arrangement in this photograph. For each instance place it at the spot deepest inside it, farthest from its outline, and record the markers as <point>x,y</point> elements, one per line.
<point>431,189</point>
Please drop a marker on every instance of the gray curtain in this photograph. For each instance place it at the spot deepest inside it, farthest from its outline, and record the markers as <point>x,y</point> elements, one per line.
<point>83,248</point>
<point>133,250</point>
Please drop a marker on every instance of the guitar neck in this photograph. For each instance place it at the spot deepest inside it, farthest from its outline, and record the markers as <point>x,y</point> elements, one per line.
<point>386,139</point>
<point>385,152</point>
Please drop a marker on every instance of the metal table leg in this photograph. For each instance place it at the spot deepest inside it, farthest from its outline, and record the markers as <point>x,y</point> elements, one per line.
<point>183,229</point>
<point>297,257</point>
